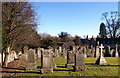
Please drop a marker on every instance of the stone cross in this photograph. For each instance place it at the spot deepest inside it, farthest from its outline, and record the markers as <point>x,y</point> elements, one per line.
<point>101,60</point>
<point>101,47</point>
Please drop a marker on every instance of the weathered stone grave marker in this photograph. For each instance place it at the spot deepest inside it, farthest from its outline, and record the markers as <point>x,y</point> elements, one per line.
<point>79,62</point>
<point>39,52</point>
<point>97,50</point>
<point>60,49</point>
<point>84,51</point>
<point>56,54</point>
<point>64,53</point>
<point>47,61</point>
<point>31,60</point>
<point>107,51</point>
<point>70,59</point>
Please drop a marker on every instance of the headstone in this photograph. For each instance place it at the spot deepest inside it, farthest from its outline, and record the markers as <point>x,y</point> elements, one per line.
<point>56,54</point>
<point>91,46</point>
<point>70,59</point>
<point>54,65</point>
<point>74,49</point>
<point>64,53</point>
<point>38,52</point>
<point>31,60</point>
<point>101,60</point>
<point>112,52</point>
<point>116,50</point>
<point>84,51</point>
<point>25,49</point>
<point>50,48</point>
<point>46,61</point>
<point>79,62</point>
<point>60,49</point>
<point>107,51</point>
<point>97,50</point>
<point>93,51</point>
<point>12,56</point>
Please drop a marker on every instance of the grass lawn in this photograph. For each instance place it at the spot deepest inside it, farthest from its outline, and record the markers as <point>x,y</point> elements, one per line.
<point>92,70</point>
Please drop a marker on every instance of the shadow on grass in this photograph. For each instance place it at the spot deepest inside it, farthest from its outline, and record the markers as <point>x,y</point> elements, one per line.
<point>93,64</point>
<point>7,70</point>
<point>111,65</point>
<point>20,72</point>
<point>61,67</point>
<point>63,70</point>
<point>39,67</point>
<point>14,68</point>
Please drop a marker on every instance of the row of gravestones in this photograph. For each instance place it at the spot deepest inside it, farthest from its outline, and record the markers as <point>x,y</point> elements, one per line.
<point>74,58</point>
<point>47,60</point>
<point>108,51</point>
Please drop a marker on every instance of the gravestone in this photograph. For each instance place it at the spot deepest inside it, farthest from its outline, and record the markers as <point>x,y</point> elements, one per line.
<point>54,65</point>
<point>50,48</point>
<point>31,65</point>
<point>46,61</point>
<point>84,51</point>
<point>79,62</point>
<point>112,52</point>
<point>107,51</point>
<point>70,59</point>
<point>93,51</point>
<point>38,52</point>
<point>23,56</point>
<point>101,60</point>
<point>56,54</point>
<point>116,50</point>
<point>97,50</point>
<point>25,49</point>
<point>12,56</point>
<point>64,53</point>
<point>74,49</point>
<point>60,49</point>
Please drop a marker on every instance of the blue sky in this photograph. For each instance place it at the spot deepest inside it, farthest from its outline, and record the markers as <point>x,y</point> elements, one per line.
<point>76,18</point>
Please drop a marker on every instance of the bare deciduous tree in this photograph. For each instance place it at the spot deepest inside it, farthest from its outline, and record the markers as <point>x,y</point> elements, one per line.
<point>112,24</point>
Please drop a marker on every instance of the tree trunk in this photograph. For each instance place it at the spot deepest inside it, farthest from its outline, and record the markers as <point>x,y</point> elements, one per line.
<point>6,60</point>
<point>6,57</point>
<point>2,59</point>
